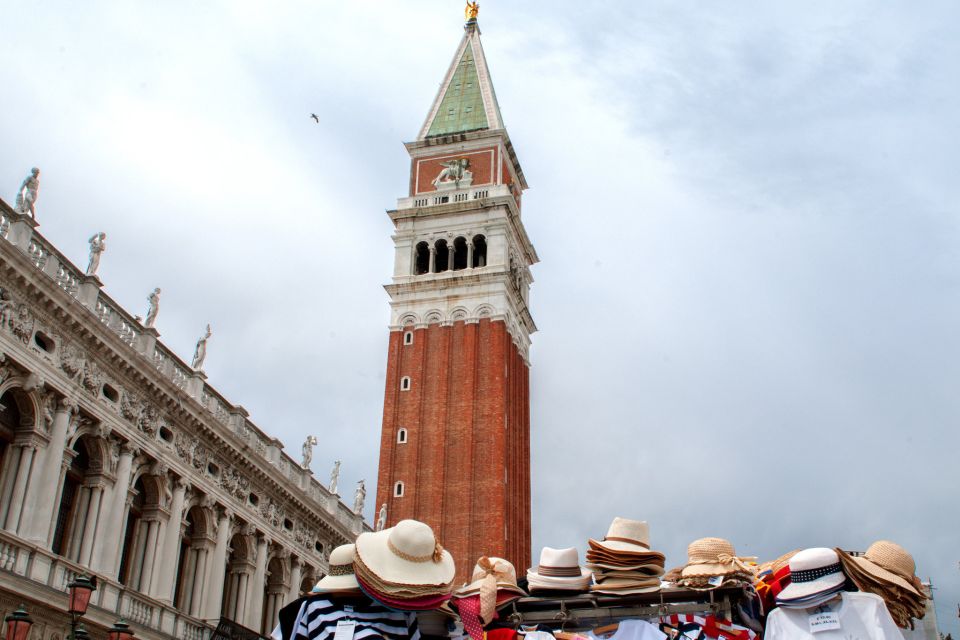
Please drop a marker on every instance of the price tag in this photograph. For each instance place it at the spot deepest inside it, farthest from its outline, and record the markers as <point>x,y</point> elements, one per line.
<point>824,621</point>
<point>345,630</point>
<point>715,581</point>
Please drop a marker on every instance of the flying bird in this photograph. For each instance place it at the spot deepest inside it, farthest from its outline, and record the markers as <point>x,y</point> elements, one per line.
<point>316,119</point>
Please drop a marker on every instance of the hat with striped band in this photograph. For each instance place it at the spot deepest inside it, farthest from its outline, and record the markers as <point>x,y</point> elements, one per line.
<point>558,569</point>
<point>813,571</point>
<point>341,578</point>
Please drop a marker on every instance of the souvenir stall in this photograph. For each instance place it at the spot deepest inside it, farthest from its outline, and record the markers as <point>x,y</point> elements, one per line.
<point>398,584</point>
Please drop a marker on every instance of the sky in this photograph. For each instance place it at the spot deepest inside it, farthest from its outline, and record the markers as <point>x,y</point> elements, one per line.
<point>746,215</point>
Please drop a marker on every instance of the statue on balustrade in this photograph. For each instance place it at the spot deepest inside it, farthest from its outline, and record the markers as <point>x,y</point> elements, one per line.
<point>359,497</point>
<point>200,353</point>
<point>27,194</point>
<point>154,301</point>
<point>334,478</point>
<point>98,244</point>
<point>308,445</point>
<point>382,518</point>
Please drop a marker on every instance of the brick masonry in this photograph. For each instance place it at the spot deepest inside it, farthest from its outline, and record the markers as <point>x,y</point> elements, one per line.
<point>465,465</point>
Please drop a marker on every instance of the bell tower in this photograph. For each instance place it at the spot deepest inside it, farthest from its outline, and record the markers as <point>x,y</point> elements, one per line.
<point>455,445</point>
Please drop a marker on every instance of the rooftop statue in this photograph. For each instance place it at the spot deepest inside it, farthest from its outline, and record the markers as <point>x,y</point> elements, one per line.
<point>334,477</point>
<point>382,518</point>
<point>200,353</point>
<point>471,10</point>
<point>27,194</point>
<point>308,445</point>
<point>359,497</point>
<point>154,308</point>
<point>98,245</point>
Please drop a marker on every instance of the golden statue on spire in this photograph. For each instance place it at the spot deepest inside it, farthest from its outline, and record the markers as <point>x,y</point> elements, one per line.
<point>471,10</point>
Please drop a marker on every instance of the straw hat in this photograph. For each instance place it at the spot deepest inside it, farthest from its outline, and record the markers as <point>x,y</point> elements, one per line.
<point>711,557</point>
<point>491,571</point>
<point>559,569</point>
<point>631,536</point>
<point>341,577</point>
<point>406,554</point>
<point>889,562</point>
<point>813,571</point>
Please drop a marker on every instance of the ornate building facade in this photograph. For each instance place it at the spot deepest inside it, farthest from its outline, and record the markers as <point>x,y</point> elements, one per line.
<point>455,443</point>
<point>119,460</point>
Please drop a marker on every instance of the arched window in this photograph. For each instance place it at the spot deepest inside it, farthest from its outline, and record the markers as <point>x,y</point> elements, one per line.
<point>68,531</point>
<point>401,435</point>
<point>238,578</point>
<point>405,383</point>
<point>443,256</point>
<point>9,423</point>
<point>460,253</point>
<point>479,251</point>
<point>421,259</point>
<point>398,490</point>
<point>133,524</point>
<point>408,337</point>
<point>275,592</point>
<point>191,574</point>
<point>17,414</point>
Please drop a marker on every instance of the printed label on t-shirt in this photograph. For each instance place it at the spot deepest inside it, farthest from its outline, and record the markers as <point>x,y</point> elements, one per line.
<point>345,630</point>
<point>824,621</point>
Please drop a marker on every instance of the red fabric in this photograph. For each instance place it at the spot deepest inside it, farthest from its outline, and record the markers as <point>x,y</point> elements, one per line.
<point>469,609</point>
<point>502,634</point>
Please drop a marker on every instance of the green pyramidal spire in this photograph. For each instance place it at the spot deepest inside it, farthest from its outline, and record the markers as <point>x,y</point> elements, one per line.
<point>466,100</point>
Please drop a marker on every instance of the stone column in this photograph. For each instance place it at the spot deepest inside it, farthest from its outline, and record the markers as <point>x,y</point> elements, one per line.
<point>163,580</point>
<point>218,568</point>
<point>44,499</point>
<point>433,259</point>
<point>26,451</point>
<point>255,590</point>
<point>200,571</point>
<point>106,555</point>
<point>451,254</point>
<point>240,601</point>
<point>90,525</point>
<point>150,554</point>
<point>470,254</point>
<point>294,592</point>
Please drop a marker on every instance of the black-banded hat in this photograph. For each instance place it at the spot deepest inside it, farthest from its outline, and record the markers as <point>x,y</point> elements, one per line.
<point>341,578</point>
<point>812,572</point>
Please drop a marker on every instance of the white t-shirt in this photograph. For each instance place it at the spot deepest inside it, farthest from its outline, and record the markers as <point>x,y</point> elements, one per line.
<point>633,630</point>
<point>855,616</point>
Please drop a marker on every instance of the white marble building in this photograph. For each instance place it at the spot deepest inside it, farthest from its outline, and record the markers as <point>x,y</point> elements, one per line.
<point>119,460</point>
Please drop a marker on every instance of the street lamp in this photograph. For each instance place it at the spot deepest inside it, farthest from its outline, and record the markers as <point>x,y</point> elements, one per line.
<point>81,588</point>
<point>18,624</point>
<point>120,631</point>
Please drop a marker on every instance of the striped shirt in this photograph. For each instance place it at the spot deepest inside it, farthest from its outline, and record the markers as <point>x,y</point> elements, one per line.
<point>318,618</point>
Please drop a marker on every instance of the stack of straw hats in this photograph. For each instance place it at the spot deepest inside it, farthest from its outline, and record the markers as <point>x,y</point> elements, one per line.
<point>340,579</point>
<point>559,570</point>
<point>712,562</point>
<point>622,563</point>
<point>815,577</point>
<point>888,570</point>
<point>404,567</point>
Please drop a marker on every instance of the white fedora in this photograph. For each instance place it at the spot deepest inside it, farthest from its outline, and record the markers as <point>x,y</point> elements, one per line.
<point>341,577</point>
<point>406,554</point>
<point>812,572</point>
<point>559,569</point>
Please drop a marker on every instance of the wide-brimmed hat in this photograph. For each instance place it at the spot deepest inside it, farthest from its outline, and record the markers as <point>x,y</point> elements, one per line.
<point>407,554</point>
<point>491,571</point>
<point>340,577</point>
<point>813,571</point>
<point>889,562</point>
<point>559,569</point>
<point>712,557</point>
<point>626,536</point>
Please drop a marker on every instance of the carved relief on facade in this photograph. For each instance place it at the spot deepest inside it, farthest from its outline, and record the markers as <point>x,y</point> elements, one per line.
<point>21,324</point>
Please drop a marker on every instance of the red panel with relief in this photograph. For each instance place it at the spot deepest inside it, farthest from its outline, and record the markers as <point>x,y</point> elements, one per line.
<point>482,163</point>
